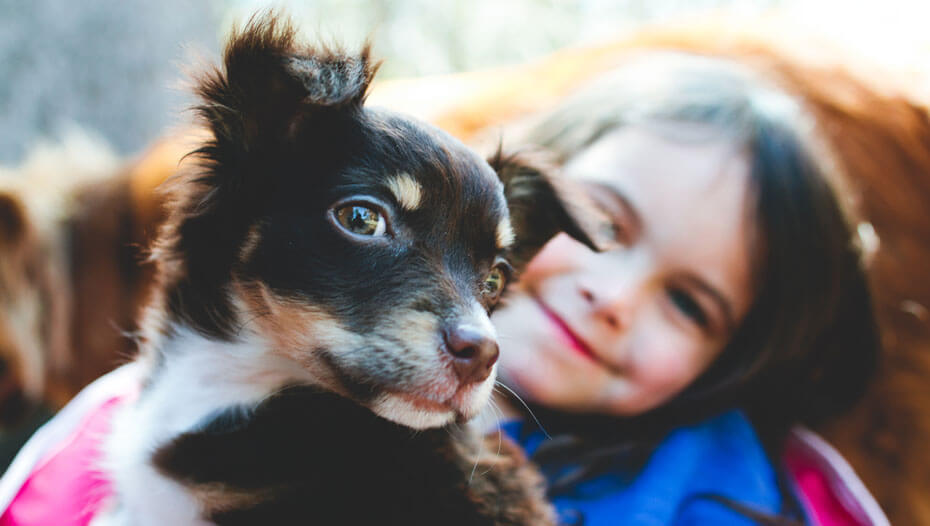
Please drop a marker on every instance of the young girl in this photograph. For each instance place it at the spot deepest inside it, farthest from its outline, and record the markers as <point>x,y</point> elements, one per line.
<point>666,371</point>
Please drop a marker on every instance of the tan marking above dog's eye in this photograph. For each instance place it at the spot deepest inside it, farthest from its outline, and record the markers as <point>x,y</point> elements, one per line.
<point>406,190</point>
<point>361,220</point>
<point>505,234</point>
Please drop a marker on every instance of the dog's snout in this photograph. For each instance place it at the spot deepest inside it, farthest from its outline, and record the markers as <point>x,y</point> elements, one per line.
<point>474,352</point>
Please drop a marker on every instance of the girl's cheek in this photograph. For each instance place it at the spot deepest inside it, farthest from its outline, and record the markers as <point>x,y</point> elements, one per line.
<point>559,255</point>
<point>667,366</point>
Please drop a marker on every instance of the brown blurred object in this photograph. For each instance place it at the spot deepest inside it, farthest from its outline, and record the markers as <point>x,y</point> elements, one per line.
<point>109,230</point>
<point>30,311</point>
<point>74,221</point>
<point>878,130</point>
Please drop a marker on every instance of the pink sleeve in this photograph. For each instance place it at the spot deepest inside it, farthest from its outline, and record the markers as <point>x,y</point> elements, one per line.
<point>830,491</point>
<point>54,480</point>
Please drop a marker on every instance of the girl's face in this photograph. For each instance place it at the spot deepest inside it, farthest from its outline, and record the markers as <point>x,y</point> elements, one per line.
<point>624,331</point>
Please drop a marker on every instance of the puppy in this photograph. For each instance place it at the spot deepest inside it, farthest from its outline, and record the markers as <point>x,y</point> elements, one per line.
<point>321,323</point>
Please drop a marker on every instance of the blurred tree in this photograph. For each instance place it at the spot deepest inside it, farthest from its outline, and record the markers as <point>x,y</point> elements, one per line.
<point>109,66</point>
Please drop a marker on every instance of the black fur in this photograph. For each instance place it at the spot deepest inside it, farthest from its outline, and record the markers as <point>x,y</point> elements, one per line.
<point>321,458</point>
<point>537,210</point>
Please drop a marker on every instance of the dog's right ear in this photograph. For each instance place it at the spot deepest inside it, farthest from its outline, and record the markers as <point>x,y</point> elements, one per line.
<point>269,84</point>
<point>541,206</point>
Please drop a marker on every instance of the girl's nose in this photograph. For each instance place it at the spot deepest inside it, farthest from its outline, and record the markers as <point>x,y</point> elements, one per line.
<point>610,308</point>
<point>614,291</point>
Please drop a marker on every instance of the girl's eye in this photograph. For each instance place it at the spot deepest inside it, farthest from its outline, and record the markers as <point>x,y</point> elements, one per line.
<point>494,283</point>
<point>613,235</point>
<point>361,220</point>
<point>687,305</point>
<point>620,221</point>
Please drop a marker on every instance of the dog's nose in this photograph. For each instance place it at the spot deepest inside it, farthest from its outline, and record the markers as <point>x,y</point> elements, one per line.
<point>474,352</point>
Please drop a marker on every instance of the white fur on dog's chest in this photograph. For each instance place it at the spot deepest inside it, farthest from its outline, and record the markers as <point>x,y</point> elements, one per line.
<point>198,378</point>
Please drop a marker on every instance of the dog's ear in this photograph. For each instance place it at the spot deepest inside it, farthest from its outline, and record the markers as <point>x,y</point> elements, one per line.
<point>541,205</point>
<point>269,84</point>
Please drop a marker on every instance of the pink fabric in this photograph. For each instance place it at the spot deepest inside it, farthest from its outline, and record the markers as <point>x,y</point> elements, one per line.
<point>829,490</point>
<point>815,491</point>
<point>65,488</point>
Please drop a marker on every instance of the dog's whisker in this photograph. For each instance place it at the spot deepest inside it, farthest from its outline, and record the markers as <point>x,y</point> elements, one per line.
<point>471,476</point>
<point>525,406</point>
<point>500,437</point>
<point>500,433</point>
<point>258,315</point>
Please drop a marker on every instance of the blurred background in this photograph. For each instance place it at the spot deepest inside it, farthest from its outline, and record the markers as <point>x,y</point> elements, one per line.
<point>116,68</point>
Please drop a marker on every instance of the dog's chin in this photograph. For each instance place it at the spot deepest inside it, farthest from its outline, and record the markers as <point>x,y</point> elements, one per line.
<point>419,412</point>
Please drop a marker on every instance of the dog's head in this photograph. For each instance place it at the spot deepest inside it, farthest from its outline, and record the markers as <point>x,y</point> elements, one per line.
<point>362,246</point>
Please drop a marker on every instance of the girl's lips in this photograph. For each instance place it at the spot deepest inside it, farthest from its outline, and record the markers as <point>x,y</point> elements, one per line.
<point>576,343</point>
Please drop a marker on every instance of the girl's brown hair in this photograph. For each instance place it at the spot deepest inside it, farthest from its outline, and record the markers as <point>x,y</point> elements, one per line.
<point>809,343</point>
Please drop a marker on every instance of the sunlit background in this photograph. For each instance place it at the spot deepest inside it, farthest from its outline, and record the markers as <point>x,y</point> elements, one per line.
<point>116,67</point>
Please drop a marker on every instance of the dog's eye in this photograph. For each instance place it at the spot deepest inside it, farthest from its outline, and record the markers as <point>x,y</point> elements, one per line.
<point>361,220</point>
<point>494,283</point>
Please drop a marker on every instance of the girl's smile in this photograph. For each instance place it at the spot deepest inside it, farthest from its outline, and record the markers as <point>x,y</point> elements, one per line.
<point>625,330</point>
<point>570,339</point>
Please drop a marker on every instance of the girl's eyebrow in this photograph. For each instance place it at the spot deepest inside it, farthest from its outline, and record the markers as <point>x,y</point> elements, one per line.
<point>620,198</point>
<point>728,319</point>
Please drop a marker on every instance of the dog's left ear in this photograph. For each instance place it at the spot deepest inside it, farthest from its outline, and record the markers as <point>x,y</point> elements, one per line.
<point>540,206</point>
<point>271,85</point>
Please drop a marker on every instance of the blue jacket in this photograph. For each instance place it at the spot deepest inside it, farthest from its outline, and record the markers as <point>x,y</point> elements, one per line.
<point>720,456</point>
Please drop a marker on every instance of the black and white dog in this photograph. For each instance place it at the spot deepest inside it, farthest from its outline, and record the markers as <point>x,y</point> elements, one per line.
<point>321,326</point>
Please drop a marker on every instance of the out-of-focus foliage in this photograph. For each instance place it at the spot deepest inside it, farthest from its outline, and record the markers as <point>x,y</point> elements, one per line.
<point>421,37</point>
<point>114,67</point>
<point>110,66</point>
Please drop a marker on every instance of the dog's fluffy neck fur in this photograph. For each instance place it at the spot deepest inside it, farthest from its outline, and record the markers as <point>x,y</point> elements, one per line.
<point>220,419</point>
<point>195,377</point>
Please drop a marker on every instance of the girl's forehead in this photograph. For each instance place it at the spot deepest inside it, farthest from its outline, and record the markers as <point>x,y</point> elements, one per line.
<point>658,155</point>
<point>690,197</point>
